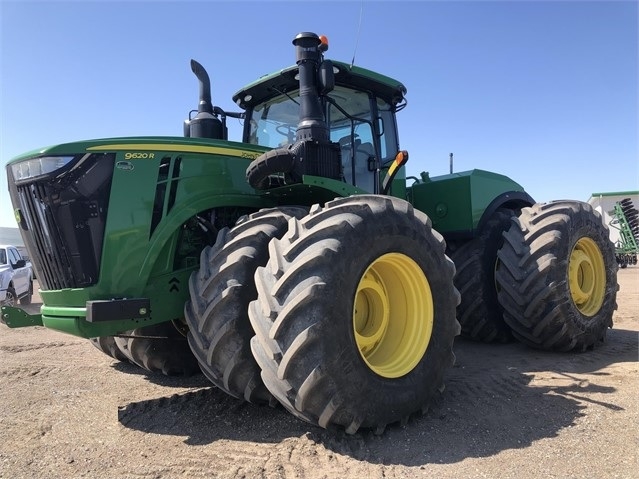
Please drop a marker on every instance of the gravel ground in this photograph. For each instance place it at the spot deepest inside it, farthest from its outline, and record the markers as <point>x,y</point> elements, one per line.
<point>508,412</point>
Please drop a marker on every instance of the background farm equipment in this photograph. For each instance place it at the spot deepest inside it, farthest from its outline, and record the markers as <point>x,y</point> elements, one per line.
<point>625,218</point>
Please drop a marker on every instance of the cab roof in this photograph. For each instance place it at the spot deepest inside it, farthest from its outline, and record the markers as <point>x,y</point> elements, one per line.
<point>283,81</point>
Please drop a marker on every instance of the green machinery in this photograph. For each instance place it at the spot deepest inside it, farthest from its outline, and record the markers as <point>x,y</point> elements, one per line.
<point>625,218</point>
<point>299,266</point>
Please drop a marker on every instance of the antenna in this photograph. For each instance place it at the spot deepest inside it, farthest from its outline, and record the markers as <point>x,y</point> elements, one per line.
<point>359,26</point>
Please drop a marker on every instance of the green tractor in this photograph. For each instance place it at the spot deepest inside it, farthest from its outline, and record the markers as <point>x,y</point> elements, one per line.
<point>299,266</point>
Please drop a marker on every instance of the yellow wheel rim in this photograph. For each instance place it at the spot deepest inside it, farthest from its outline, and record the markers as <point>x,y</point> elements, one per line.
<point>393,315</point>
<point>587,276</point>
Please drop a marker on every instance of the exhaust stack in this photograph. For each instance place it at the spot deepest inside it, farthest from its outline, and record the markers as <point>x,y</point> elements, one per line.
<point>205,124</point>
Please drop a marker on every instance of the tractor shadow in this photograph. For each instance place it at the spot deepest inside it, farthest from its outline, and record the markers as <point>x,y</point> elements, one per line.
<point>497,397</point>
<point>194,381</point>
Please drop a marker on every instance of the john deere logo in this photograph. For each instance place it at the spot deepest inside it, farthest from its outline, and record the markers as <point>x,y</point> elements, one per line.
<point>124,165</point>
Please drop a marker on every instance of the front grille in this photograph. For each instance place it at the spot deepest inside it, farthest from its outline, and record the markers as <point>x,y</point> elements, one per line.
<point>62,219</point>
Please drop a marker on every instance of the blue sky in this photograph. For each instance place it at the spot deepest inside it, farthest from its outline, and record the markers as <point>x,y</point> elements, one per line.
<point>543,92</point>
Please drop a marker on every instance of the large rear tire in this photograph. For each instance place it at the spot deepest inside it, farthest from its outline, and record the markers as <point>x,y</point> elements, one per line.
<point>220,292</point>
<point>355,316</point>
<point>557,276</point>
<point>479,313</point>
<point>159,348</point>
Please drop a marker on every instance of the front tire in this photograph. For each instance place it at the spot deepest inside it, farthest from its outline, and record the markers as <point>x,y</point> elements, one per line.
<point>557,276</point>
<point>220,292</point>
<point>355,316</point>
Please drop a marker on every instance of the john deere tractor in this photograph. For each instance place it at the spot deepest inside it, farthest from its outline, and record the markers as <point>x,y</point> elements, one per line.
<point>301,266</point>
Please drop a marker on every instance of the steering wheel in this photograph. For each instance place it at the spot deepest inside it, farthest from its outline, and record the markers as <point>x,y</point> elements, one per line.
<point>287,130</point>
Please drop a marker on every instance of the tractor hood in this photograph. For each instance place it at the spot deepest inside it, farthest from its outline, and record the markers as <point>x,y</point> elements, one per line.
<point>164,143</point>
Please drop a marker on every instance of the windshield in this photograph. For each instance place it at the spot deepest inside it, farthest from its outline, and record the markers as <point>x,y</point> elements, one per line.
<point>3,256</point>
<point>274,123</point>
<point>351,120</point>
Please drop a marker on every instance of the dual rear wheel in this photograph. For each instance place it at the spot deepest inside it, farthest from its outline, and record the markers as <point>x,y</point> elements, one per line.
<point>545,275</point>
<point>557,277</point>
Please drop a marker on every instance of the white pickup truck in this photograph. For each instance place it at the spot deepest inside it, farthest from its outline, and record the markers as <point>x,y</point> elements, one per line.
<point>16,277</point>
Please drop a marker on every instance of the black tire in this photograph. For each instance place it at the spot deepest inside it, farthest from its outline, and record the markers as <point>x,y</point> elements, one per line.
<point>220,292</point>
<point>10,298</point>
<point>326,273</point>
<point>557,276</point>
<point>479,313</point>
<point>107,345</point>
<point>160,348</point>
<point>26,299</point>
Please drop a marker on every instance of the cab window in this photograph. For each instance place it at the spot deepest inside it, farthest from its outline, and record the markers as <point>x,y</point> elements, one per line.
<point>361,124</point>
<point>274,123</point>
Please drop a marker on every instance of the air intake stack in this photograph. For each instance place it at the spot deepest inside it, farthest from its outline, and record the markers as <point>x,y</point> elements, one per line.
<point>312,153</point>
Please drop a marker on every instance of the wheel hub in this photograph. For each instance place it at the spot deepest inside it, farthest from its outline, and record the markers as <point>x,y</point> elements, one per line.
<point>587,276</point>
<point>393,315</point>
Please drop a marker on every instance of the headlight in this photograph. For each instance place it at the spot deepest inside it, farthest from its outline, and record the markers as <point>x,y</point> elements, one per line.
<point>38,166</point>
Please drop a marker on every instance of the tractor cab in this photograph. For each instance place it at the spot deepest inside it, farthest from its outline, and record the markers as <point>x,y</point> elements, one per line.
<point>358,107</point>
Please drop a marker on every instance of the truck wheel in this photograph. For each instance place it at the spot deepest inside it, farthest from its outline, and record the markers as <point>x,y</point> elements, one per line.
<point>27,298</point>
<point>479,313</point>
<point>557,276</point>
<point>220,292</point>
<point>355,316</point>
<point>107,345</point>
<point>159,348</point>
<point>10,298</point>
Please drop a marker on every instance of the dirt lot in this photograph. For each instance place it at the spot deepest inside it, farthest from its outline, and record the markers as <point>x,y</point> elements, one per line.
<point>67,410</point>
